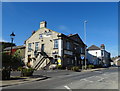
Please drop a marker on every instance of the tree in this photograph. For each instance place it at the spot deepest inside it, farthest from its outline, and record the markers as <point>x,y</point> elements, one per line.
<point>12,61</point>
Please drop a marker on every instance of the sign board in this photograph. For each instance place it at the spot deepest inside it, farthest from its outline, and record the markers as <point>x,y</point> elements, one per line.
<point>68,52</point>
<point>59,61</point>
<point>45,34</point>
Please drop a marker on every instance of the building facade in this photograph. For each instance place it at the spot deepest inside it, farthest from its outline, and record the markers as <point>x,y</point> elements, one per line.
<point>45,47</point>
<point>98,55</point>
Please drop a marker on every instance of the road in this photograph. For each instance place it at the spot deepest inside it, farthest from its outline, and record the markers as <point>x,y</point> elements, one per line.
<point>101,79</point>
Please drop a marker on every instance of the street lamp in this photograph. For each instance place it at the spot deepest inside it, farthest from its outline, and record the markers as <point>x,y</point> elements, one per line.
<point>12,35</point>
<point>85,22</point>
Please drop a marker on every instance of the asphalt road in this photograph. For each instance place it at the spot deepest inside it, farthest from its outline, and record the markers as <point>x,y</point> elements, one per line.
<point>101,79</point>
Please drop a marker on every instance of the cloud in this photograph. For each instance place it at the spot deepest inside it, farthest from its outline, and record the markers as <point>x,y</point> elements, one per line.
<point>63,29</point>
<point>2,40</point>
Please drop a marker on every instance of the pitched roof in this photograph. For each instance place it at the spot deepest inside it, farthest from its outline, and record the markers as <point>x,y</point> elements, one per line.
<point>76,37</point>
<point>93,47</point>
<point>14,47</point>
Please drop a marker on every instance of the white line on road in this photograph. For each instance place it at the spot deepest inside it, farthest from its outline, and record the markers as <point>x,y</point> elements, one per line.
<point>100,79</point>
<point>86,80</point>
<point>67,88</point>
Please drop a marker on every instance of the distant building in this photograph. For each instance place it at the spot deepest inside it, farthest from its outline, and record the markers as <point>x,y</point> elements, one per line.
<point>4,45</point>
<point>21,50</point>
<point>45,47</point>
<point>98,55</point>
<point>116,61</point>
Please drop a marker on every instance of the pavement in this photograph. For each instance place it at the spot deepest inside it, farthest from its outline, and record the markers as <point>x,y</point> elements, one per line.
<point>16,80</point>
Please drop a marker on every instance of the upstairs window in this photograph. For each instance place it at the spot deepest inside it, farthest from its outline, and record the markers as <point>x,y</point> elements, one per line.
<point>29,46</point>
<point>102,53</point>
<point>36,46</point>
<point>55,43</point>
<point>68,45</point>
<point>81,50</point>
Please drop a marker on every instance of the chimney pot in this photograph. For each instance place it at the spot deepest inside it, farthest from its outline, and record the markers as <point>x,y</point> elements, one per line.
<point>102,46</point>
<point>43,24</point>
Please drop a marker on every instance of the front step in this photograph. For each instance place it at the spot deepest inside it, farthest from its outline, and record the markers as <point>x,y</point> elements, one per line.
<point>41,62</point>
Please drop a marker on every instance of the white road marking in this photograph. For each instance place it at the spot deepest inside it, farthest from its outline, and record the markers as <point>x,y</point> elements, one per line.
<point>67,88</point>
<point>86,80</point>
<point>100,79</point>
<point>104,74</point>
<point>98,71</point>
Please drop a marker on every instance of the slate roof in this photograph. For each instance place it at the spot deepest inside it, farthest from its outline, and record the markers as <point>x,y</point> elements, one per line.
<point>14,47</point>
<point>93,47</point>
<point>76,37</point>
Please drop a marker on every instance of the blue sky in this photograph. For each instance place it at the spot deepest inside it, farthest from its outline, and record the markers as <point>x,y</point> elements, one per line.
<point>102,27</point>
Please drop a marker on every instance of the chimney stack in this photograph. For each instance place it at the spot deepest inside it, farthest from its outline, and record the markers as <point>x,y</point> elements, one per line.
<point>102,46</point>
<point>43,24</point>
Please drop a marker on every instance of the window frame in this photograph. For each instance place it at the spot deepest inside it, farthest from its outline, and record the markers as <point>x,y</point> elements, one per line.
<point>68,45</point>
<point>56,43</point>
<point>29,47</point>
<point>36,47</point>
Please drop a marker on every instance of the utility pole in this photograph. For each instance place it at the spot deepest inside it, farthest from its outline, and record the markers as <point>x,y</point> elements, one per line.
<point>85,22</point>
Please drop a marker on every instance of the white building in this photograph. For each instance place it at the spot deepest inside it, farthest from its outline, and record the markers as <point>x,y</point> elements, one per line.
<point>98,55</point>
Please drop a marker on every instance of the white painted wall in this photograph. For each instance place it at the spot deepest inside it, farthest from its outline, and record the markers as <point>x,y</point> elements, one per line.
<point>60,47</point>
<point>93,52</point>
<point>98,53</point>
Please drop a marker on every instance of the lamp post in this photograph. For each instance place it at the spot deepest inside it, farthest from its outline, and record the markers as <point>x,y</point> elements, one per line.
<point>85,22</point>
<point>12,35</point>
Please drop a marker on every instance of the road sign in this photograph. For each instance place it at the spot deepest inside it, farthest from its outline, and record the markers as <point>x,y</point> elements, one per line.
<point>82,57</point>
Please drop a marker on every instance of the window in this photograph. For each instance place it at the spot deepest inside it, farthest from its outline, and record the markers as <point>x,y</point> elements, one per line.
<point>40,36</point>
<point>29,46</point>
<point>81,50</point>
<point>36,46</point>
<point>56,43</point>
<point>42,47</point>
<point>102,52</point>
<point>68,45</point>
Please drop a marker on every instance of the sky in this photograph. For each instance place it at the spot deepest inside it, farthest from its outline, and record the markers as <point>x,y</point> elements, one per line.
<point>68,18</point>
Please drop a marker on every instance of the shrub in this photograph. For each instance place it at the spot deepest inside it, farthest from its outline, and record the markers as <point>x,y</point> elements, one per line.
<point>90,66</point>
<point>19,68</point>
<point>75,68</point>
<point>5,74</point>
<point>27,71</point>
<point>59,66</point>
